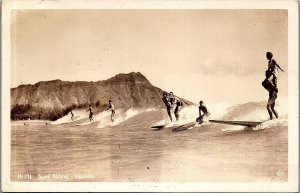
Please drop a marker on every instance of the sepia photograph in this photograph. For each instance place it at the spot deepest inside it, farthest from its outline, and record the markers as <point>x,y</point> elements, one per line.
<point>150,97</point>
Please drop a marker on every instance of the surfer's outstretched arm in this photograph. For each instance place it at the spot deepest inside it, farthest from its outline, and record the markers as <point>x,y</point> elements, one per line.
<point>279,66</point>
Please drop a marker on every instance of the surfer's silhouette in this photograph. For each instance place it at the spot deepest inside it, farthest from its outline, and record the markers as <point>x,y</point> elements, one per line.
<point>202,112</point>
<point>178,107</point>
<point>175,101</point>
<point>272,64</point>
<point>111,108</point>
<point>270,84</point>
<point>91,113</point>
<point>72,115</point>
<point>167,104</point>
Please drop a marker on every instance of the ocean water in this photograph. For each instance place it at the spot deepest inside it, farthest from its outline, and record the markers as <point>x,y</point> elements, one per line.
<point>130,151</point>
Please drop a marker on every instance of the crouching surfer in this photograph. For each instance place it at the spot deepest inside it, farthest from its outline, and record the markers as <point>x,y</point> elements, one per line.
<point>203,112</point>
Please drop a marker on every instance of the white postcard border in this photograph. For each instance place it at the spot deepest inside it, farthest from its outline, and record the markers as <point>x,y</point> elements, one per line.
<point>293,70</point>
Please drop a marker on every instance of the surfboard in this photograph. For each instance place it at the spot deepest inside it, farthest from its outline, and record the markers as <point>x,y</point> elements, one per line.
<point>158,126</point>
<point>185,126</point>
<point>241,123</point>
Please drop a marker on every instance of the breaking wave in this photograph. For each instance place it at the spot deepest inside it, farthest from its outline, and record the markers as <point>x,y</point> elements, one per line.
<point>78,115</point>
<point>105,117</point>
<point>254,111</point>
<point>191,113</point>
<point>281,121</point>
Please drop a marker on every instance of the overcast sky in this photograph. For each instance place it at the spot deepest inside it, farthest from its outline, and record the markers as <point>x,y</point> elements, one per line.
<point>213,55</point>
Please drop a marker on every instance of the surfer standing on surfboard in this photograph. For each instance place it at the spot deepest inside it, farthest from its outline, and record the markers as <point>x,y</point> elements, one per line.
<point>72,115</point>
<point>91,113</point>
<point>111,108</point>
<point>203,109</point>
<point>167,104</point>
<point>175,101</point>
<point>178,107</point>
<point>270,84</point>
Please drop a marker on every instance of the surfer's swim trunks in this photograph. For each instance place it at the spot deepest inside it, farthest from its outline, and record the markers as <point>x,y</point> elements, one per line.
<point>272,97</point>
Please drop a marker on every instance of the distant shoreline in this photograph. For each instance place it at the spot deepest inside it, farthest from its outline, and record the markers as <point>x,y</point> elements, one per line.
<point>32,122</point>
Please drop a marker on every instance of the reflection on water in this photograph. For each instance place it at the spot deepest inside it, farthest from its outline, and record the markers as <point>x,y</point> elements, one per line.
<point>132,151</point>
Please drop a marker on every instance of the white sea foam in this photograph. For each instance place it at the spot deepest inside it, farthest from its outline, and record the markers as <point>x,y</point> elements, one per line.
<point>105,117</point>
<point>85,123</point>
<point>259,115</point>
<point>281,121</point>
<point>78,114</point>
<point>191,113</point>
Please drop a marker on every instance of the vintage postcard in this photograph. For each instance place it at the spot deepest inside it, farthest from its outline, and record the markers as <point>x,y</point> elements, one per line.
<point>149,95</point>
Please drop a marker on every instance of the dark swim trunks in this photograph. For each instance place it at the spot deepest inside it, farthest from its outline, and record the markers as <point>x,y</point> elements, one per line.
<point>272,97</point>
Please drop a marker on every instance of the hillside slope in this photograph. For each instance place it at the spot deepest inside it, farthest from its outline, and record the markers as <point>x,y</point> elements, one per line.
<point>127,91</point>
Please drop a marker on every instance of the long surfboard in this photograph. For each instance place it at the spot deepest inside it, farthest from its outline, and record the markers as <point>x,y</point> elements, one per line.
<point>158,126</point>
<point>185,126</point>
<point>241,123</point>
